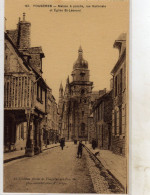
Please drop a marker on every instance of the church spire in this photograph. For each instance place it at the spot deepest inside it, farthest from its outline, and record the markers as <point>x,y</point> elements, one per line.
<point>61,90</point>
<point>80,52</point>
<point>67,81</point>
<point>61,87</point>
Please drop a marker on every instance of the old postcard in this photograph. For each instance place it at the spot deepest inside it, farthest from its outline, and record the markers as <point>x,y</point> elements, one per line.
<point>66,107</point>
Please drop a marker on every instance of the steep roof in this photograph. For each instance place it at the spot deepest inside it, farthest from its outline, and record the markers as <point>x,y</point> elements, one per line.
<point>17,51</point>
<point>36,50</point>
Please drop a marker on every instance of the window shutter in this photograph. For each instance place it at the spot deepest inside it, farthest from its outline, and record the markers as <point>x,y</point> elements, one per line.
<point>123,118</point>
<point>117,110</point>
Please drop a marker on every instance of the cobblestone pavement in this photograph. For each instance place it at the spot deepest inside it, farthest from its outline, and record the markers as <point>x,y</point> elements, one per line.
<point>103,181</point>
<point>54,171</point>
<point>100,184</point>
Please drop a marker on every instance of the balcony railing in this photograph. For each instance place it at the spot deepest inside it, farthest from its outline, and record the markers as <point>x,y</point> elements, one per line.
<point>18,92</point>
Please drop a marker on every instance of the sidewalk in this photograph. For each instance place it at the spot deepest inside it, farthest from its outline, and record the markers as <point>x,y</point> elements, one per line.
<point>13,155</point>
<point>116,164</point>
<point>21,153</point>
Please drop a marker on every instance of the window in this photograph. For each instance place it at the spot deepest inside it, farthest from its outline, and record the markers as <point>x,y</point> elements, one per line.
<point>98,113</point>
<point>82,113</point>
<point>39,93</point>
<point>115,122</point>
<point>82,75</point>
<point>102,136</point>
<point>121,81</point>
<point>116,86</point>
<point>38,88</point>
<point>82,128</point>
<point>82,92</point>
<point>120,120</point>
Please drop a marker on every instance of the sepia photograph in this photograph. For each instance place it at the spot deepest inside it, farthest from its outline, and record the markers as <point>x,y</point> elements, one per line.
<point>66,96</point>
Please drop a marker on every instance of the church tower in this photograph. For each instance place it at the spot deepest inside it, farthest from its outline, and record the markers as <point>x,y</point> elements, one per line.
<point>80,97</point>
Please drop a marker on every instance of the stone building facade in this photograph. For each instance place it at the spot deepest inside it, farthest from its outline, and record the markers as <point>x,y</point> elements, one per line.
<point>74,102</point>
<point>119,113</point>
<point>25,92</point>
<point>51,133</point>
<point>102,119</point>
<point>91,129</point>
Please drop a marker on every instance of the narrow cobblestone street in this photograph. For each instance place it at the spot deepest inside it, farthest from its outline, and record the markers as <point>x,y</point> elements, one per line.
<point>54,171</point>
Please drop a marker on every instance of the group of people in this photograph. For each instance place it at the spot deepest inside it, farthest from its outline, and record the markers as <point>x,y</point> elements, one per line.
<point>80,146</point>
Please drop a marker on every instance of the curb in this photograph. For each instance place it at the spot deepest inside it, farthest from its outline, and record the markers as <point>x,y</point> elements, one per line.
<point>50,148</point>
<point>23,156</point>
<point>14,158</point>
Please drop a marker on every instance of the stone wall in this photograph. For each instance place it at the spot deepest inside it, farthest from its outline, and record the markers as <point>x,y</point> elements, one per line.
<point>118,145</point>
<point>91,130</point>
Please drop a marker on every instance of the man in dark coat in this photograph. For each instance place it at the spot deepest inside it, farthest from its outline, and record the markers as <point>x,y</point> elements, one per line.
<point>79,153</point>
<point>62,143</point>
<point>94,144</point>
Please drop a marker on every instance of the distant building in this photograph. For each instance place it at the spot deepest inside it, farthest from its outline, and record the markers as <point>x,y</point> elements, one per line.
<point>119,113</point>
<point>74,102</point>
<point>51,132</point>
<point>91,128</point>
<point>102,119</point>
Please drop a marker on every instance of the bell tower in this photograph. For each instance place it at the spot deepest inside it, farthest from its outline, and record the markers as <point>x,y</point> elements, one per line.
<point>80,68</point>
<point>80,97</point>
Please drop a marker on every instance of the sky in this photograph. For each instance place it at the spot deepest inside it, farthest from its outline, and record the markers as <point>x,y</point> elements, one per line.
<point>61,33</point>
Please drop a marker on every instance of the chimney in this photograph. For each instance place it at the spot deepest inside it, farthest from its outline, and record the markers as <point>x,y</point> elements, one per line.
<point>23,33</point>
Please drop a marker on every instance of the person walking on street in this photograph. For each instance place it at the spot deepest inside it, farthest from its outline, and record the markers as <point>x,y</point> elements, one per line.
<point>62,143</point>
<point>94,144</point>
<point>79,153</point>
